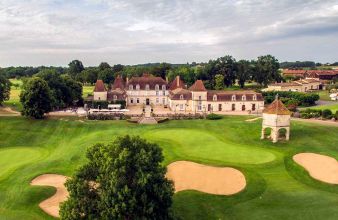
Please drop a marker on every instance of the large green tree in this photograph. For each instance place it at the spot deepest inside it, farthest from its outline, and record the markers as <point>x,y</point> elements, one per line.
<point>107,75</point>
<point>74,68</point>
<point>219,82</point>
<point>267,70</point>
<point>121,180</point>
<point>36,98</point>
<point>243,72</point>
<point>5,87</point>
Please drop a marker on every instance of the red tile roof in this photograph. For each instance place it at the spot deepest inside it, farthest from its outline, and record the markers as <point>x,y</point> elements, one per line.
<point>177,83</point>
<point>118,83</point>
<point>147,79</point>
<point>99,86</point>
<point>227,95</point>
<point>277,108</point>
<point>198,86</point>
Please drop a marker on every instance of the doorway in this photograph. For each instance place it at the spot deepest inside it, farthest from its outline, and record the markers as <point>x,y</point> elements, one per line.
<point>147,102</point>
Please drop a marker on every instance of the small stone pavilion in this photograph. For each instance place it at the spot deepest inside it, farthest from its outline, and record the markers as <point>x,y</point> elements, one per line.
<point>276,122</point>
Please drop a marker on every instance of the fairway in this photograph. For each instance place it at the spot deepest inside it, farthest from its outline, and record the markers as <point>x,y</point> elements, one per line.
<point>277,188</point>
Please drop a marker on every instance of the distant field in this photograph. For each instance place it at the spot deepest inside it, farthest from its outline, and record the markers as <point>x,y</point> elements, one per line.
<point>14,100</point>
<point>333,107</point>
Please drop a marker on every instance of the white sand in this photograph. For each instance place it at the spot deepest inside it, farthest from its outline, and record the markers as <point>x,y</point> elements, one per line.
<point>320,167</point>
<point>52,204</point>
<point>214,180</point>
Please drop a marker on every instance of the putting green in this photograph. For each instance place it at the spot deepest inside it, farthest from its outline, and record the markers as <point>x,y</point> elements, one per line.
<point>204,145</point>
<point>14,158</point>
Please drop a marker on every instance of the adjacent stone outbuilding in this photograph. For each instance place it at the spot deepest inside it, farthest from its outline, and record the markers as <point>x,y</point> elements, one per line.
<point>276,122</point>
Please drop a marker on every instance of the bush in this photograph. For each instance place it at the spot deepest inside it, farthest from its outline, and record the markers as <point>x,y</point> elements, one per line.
<point>327,114</point>
<point>336,115</point>
<point>311,113</point>
<point>303,99</point>
<point>106,116</point>
<point>214,117</point>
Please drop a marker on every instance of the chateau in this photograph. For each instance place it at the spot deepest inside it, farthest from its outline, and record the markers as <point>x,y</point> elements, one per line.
<point>155,91</point>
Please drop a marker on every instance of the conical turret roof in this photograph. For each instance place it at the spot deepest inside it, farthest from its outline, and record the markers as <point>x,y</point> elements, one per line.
<point>277,107</point>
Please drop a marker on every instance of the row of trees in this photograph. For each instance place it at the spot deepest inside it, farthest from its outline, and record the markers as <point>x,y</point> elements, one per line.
<point>228,71</point>
<point>48,90</point>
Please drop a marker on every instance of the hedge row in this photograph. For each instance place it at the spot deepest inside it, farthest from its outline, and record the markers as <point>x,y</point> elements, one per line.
<point>317,113</point>
<point>292,98</point>
<point>106,117</point>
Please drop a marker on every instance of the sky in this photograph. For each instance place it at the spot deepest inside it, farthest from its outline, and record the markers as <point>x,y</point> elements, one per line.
<point>54,32</point>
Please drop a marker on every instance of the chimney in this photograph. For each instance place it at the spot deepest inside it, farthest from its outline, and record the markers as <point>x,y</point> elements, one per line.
<point>178,80</point>
<point>166,79</point>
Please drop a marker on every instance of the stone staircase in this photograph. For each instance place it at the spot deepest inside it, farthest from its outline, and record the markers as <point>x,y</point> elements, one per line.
<point>147,118</point>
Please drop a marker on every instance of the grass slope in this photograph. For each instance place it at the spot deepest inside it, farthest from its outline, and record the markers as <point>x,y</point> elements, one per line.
<point>277,187</point>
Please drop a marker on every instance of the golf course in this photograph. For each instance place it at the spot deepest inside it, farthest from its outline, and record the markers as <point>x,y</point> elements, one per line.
<point>276,186</point>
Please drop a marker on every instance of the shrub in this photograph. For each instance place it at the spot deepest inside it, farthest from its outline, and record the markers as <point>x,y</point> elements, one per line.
<point>336,115</point>
<point>304,99</point>
<point>327,114</point>
<point>214,117</point>
<point>311,113</point>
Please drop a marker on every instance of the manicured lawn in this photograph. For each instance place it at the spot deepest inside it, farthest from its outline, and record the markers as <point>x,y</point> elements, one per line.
<point>277,188</point>
<point>87,90</point>
<point>333,107</point>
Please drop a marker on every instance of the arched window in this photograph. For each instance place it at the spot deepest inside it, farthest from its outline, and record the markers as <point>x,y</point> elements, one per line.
<point>137,87</point>
<point>163,87</point>
<point>130,87</point>
<point>147,87</point>
<point>254,97</point>
<point>214,98</point>
<point>243,97</point>
<point>157,87</point>
<point>181,97</point>
<point>233,98</point>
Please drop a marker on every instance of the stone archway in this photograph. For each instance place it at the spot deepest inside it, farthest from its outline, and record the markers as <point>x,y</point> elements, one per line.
<point>282,134</point>
<point>267,132</point>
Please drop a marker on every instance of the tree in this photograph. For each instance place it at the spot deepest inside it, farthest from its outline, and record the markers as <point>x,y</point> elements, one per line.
<point>161,70</point>
<point>243,72</point>
<point>122,180</point>
<point>90,75</point>
<point>104,65</point>
<point>219,82</point>
<point>107,75</point>
<point>36,98</point>
<point>5,87</point>
<point>75,67</point>
<point>267,70</point>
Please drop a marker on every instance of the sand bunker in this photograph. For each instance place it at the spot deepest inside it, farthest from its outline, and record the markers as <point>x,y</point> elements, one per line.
<point>51,205</point>
<point>320,167</point>
<point>253,119</point>
<point>214,180</point>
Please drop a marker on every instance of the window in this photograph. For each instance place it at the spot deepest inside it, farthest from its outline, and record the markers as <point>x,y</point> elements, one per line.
<point>130,87</point>
<point>157,87</point>
<point>233,107</point>
<point>219,107</point>
<point>199,97</point>
<point>209,107</point>
<point>181,106</point>
<point>243,97</point>
<point>233,98</point>
<point>163,92</point>
<point>147,87</point>
<point>137,87</point>
<point>199,107</point>
<point>243,107</point>
<point>163,101</point>
<point>163,87</point>
<point>253,107</point>
<point>254,97</point>
<point>214,98</point>
<point>115,97</point>
<point>181,97</point>
<point>157,93</point>
<point>137,100</point>
<point>131,100</point>
<point>157,100</point>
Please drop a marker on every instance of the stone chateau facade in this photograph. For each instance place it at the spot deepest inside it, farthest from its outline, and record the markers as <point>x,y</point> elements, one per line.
<point>155,91</point>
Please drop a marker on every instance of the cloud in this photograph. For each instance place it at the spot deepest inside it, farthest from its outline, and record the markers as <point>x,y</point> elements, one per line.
<point>52,32</point>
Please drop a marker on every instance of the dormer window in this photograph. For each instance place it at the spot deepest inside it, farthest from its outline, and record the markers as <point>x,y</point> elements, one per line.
<point>233,98</point>
<point>254,97</point>
<point>243,97</point>
<point>163,87</point>
<point>214,98</point>
<point>130,87</point>
<point>147,87</point>
<point>157,87</point>
<point>181,97</point>
<point>137,87</point>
